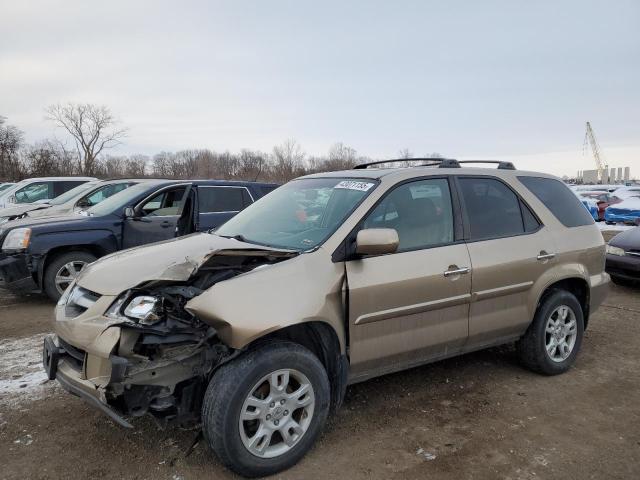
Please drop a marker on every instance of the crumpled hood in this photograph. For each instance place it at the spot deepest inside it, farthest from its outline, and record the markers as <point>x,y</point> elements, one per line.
<point>173,260</point>
<point>52,210</point>
<point>21,209</point>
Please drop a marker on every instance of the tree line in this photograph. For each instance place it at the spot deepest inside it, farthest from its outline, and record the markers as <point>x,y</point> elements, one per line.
<point>91,131</point>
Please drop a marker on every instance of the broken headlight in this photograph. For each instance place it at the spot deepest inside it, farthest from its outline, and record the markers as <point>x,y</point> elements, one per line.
<point>144,309</point>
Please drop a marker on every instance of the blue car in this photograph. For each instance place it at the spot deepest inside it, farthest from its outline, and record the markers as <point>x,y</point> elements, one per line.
<point>591,206</point>
<point>627,211</point>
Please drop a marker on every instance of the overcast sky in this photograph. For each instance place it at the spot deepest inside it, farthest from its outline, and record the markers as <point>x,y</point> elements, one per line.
<point>491,79</point>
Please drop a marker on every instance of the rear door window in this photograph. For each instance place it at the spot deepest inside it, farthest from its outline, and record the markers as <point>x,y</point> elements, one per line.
<point>492,208</point>
<point>561,201</point>
<point>63,186</point>
<point>222,199</point>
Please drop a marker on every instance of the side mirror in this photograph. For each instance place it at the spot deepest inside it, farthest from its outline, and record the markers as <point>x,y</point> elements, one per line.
<point>129,212</point>
<point>377,241</point>
<point>83,204</point>
<point>12,199</point>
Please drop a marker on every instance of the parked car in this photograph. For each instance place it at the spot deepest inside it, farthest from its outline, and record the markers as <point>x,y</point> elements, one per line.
<point>627,211</point>
<point>39,189</point>
<point>46,254</point>
<point>255,330</point>
<point>80,198</point>
<point>623,257</point>
<point>5,186</point>
<point>590,204</point>
<point>596,188</point>
<point>628,191</point>
<point>602,199</point>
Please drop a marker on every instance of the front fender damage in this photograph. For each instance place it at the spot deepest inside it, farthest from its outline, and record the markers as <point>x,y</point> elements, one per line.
<point>163,366</point>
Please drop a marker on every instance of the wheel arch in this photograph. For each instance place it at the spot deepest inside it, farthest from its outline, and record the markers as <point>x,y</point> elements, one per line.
<point>322,340</point>
<point>576,285</point>
<point>96,250</point>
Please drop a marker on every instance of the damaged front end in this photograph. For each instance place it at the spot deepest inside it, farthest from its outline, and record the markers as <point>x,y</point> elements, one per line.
<point>142,351</point>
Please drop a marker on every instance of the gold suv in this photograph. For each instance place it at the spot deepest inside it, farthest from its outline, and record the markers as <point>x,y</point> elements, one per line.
<point>255,330</point>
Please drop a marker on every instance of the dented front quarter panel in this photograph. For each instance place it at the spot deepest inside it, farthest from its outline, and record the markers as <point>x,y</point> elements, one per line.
<point>307,288</point>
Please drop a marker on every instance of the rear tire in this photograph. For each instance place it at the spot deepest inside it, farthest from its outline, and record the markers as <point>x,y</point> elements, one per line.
<point>66,265</point>
<point>553,339</point>
<point>253,415</point>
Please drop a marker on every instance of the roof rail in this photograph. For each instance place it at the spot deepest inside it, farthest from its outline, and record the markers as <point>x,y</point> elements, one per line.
<point>501,165</point>
<point>434,161</point>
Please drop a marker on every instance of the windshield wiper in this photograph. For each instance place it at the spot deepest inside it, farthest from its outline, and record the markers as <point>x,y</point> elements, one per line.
<point>238,237</point>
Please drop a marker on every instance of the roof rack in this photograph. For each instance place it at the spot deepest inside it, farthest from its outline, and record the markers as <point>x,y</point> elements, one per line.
<point>425,162</point>
<point>439,162</point>
<point>501,165</point>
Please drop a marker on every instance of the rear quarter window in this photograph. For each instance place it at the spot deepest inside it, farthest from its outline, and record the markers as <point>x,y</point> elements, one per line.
<point>562,202</point>
<point>222,199</point>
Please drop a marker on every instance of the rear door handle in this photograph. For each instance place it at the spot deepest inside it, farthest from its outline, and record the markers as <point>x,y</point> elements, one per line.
<point>457,271</point>
<point>545,256</point>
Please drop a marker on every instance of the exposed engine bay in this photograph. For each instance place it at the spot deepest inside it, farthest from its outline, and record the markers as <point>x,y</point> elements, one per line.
<point>166,355</point>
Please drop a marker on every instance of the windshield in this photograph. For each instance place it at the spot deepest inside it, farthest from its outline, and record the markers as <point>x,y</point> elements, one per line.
<point>5,186</point>
<point>71,194</point>
<point>117,202</point>
<point>299,215</point>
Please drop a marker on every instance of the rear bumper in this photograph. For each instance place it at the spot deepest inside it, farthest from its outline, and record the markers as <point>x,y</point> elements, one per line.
<point>627,266</point>
<point>15,274</point>
<point>599,289</point>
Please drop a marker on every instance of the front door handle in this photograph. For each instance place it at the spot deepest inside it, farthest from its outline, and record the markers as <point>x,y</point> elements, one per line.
<point>545,256</point>
<point>165,224</point>
<point>456,271</point>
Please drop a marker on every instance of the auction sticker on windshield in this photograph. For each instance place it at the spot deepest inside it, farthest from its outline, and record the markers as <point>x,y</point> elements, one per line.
<point>354,185</point>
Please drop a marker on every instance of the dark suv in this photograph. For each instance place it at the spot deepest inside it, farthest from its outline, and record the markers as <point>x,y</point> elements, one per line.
<point>47,254</point>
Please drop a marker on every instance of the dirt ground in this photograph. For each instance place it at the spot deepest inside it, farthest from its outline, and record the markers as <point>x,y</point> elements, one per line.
<point>479,416</point>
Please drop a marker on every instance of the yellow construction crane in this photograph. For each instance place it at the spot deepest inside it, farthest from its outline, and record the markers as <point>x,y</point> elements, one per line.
<point>590,138</point>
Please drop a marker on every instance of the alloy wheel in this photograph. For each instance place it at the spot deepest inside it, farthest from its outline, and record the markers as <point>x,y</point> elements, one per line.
<point>561,333</point>
<point>276,413</point>
<point>67,274</point>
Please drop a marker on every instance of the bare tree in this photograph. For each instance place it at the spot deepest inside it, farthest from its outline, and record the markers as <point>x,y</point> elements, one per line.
<point>113,166</point>
<point>47,158</point>
<point>288,159</point>
<point>92,127</point>
<point>251,165</point>
<point>11,139</point>
<point>136,166</point>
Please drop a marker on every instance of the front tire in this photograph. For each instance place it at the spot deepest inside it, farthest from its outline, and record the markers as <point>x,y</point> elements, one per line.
<point>62,270</point>
<point>263,411</point>
<point>553,339</point>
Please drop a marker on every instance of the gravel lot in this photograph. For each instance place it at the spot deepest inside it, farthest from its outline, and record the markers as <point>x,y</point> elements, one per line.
<point>479,416</point>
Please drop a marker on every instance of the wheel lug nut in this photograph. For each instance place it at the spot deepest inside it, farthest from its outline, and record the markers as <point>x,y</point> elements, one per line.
<point>282,402</point>
<point>272,404</point>
<point>268,417</point>
<point>286,412</point>
<point>276,422</point>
